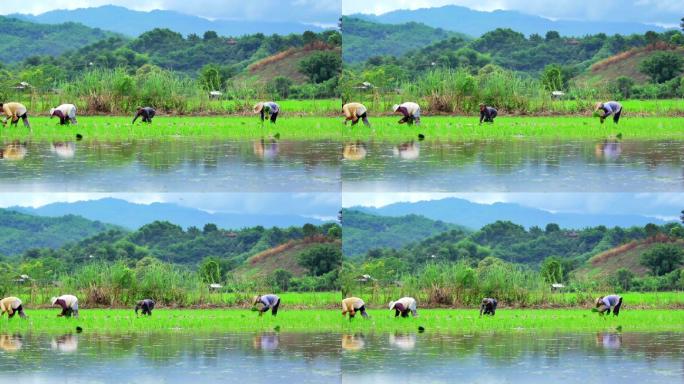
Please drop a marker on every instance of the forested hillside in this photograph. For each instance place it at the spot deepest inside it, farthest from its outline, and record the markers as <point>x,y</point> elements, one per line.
<point>22,39</point>
<point>20,232</point>
<point>363,231</point>
<point>364,39</point>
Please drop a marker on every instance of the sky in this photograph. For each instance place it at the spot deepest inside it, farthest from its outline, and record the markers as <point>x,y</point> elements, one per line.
<point>316,205</point>
<point>309,11</point>
<point>662,12</point>
<point>664,206</point>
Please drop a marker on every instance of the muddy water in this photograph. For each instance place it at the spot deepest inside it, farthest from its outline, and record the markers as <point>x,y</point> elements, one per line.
<point>519,165</point>
<point>173,357</point>
<point>174,165</point>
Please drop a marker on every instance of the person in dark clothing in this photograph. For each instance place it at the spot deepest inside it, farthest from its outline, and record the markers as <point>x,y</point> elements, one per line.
<point>147,305</point>
<point>488,306</point>
<point>605,303</point>
<point>609,108</point>
<point>487,114</point>
<point>147,113</point>
<point>271,302</point>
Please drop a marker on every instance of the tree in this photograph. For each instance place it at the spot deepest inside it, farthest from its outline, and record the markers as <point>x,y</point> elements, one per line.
<point>209,228</point>
<point>552,35</point>
<point>651,229</point>
<point>552,227</point>
<point>281,279</point>
<point>552,77</point>
<point>280,85</point>
<point>662,258</point>
<point>309,230</point>
<point>552,270</point>
<point>662,66</point>
<point>210,270</point>
<point>210,35</point>
<point>321,259</point>
<point>623,86</point>
<point>321,66</point>
<point>623,279</point>
<point>210,77</point>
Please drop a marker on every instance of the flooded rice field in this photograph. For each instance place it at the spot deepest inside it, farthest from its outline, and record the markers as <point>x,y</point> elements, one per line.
<point>514,165</point>
<point>174,357</point>
<point>176,165</point>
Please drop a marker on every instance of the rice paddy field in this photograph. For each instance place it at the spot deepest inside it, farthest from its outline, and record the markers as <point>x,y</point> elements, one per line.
<point>519,127</point>
<point>381,320</point>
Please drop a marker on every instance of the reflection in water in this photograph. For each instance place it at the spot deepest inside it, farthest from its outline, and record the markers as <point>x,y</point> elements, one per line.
<point>13,151</point>
<point>353,342</point>
<point>516,358</point>
<point>354,151</point>
<point>609,149</point>
<point>517,165</point>
<point>179,357</point>
<point>266,341</point>
<point>405,341</point>
<point>609,340</point>
<point>10,343</point>
<point>64,149</point>
<point>266,148</point>
<point>171,164</point>
<point>407,151</point>
<point>66,343</point>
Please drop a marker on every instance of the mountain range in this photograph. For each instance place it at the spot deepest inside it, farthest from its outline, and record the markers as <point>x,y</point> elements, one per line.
<point>475,23</point>
<point>133,23</point>
<point>133,216</point>
<point>474,215</point>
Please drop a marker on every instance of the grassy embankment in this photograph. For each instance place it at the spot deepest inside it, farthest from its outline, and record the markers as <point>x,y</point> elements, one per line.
<point>435,320</point>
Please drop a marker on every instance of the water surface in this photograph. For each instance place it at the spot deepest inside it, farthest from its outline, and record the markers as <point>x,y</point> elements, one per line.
<point>173,165</point>
<point>516,165</point>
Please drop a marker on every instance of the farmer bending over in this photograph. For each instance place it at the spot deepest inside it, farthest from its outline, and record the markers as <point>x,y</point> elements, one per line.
<point>487,114</point>
<point>411,112</point>
<point>147,114</point>
<point>354,112</point>
<point>610,108</point>
<point>65,112</point>
<point>267,109</point>
<point>69,304</point>
<point>352,305</point>
<point>14,112</point>
<point>403,306</point>
<point>270,301</point>
<point>147,305</point>
<point>606,303</point>
<point>12,305</point>
<point>488,306</point>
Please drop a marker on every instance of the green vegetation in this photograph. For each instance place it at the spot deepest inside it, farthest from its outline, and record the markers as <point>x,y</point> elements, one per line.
<point>518,265</point>
<point>288,320</point>
<point>364,39</point>
<point>362,231</point>
<point>517,127</point>
<point>168,128</point>
<point>20,232</point>
<point>22,39</point>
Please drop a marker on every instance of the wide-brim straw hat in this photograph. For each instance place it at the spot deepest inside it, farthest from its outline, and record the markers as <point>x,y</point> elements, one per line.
<point>258,107</point>
<point>391,304</point>
<point>395,107</point>
<point>53,300</point>
<point>598,106</point>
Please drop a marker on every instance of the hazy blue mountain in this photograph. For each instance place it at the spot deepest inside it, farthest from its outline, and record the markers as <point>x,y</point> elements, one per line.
<point>133,23</point>
<point>133,216</point>
<point>474,216</point>
<point>475,23</point>
<point>20,231</point>
<point>363,231</point>
<point>20,39</point>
